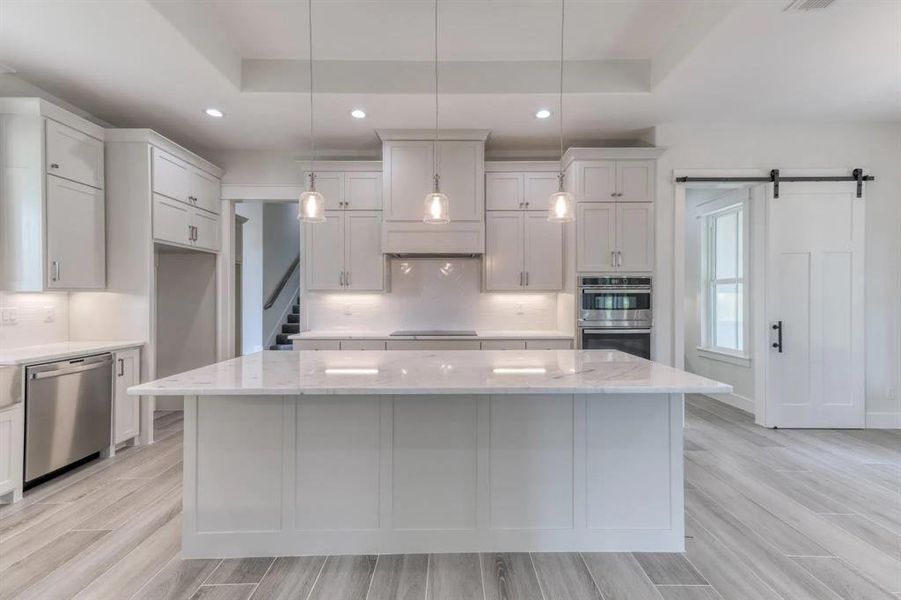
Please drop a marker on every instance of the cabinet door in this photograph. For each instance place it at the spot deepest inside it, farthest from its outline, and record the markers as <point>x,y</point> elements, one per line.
<point>538,187</point>
<point>324,252</point>
<point>364,263</point>
<point>503,191</point>
<point>76,233</point>
<point>549,344</point>
<point>316,345</point>
<point>596,181</point>
<point>362,344</point>
<point>11,448</point>
<point>503,344</point>
<point>363,191</point>
<point>504,251</point>
<point>74,155</point>
<point>635,181</point>
<point>331,186</point>
<point>170,176</point>
<point>205,191</point>
<point>206,229</point>
<point>171,221</point>
<point>126,416</point>
<point>635,236</point>
<point>434,345</point>
<point>543,253</point>
<point>595,236</point>
<point>462,169</point>
<point>408,171</point>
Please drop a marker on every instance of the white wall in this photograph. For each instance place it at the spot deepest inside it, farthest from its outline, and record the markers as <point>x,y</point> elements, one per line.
<point>40,319</point>
<point>251,277</point>
<point>431,294</point>
<point>875,147</point>
<point>741,377</point>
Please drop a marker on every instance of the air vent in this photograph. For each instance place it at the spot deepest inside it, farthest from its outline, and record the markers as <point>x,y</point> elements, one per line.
<point>806,5</point>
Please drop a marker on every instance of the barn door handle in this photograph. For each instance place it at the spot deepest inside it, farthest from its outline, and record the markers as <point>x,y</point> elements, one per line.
<point>777,327</point>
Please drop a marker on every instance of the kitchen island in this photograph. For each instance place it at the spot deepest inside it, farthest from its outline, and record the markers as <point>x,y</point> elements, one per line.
<point>302,452</point>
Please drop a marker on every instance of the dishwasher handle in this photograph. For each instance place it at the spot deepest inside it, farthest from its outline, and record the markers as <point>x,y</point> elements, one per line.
<point>69,367</point>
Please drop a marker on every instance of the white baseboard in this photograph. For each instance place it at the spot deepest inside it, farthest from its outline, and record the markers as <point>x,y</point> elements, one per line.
<point>734,400</point>
<point>884,420</point>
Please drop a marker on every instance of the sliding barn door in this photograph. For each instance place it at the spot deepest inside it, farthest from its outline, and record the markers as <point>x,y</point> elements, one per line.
<point>815,290</point>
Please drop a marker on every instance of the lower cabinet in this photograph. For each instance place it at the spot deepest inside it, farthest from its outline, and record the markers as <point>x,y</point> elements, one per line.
<point>126,412</point>
<point>395,344</point>
<point>433,345</point>
<point>503,344</point>
<point>12,445</point>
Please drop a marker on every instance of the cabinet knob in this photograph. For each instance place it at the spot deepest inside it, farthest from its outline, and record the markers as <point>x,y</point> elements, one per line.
<point>54,166</point>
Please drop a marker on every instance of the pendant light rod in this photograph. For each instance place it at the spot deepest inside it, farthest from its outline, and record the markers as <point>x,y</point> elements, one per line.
<point>312,136</point>
<point>560,203</point>
<point>562,29</point>
<point>435,141</point>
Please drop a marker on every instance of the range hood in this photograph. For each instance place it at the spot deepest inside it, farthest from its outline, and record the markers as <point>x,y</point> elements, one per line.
<point>461,239</point>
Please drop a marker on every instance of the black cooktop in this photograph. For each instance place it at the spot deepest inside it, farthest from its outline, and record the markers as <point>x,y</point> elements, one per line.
<point>435,333</point>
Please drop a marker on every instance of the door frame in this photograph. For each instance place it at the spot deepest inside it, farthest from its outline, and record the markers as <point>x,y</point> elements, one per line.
<point>761,195</point>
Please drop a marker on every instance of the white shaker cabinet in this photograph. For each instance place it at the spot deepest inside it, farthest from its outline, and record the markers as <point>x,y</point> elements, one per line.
<point>126,416</point>
<point>363,190</point>
<point>523,252</point>
<point>519,191</point>
<point>635,181</point>
<point>331,186</point>
<point>170,176</point>
<point>205,191</point>
<point>206,229</point>
<point>74,155</point>
<point>614,236</point>
<point>76,231</point>
<point>344,253</point>
<point>12,446</point>
<point>537,188</point>
<point>178,223</point>
<point>615,181</point>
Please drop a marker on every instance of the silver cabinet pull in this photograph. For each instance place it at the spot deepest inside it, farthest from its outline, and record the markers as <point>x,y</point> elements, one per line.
<point>121,362</point>
<point>341,278</point>
<point>613,258</point>
<point>613,194</point>
<point>347,278</point>
<point>54,165</point>
<point>619,258</point>
<point>55,275</point>
<point>520,204</point>
<point>520,279</point>
<point>527,273</point>
<point>527,205</point>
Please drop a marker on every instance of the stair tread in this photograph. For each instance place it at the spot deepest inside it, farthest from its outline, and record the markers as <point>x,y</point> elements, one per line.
<point>281,347</point>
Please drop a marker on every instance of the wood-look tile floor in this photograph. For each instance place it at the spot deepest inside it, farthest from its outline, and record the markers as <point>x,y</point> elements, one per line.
<point>771,514</point>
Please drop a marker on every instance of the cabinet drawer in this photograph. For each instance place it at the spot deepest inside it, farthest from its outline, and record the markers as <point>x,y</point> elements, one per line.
<point>205,191</point>
<point>171,221</point>
<point>433,345</point>
<point>503,344</point>
<point>549,344</point>
<point>362,344</point>
<point>74,155</point>
<point>317,345</point>
<point>170,176</point>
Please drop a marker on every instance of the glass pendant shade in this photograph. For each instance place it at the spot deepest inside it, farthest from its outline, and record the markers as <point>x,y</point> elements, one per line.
<point>560,207</point>
<point>311,207</point>
<point>436,208</point>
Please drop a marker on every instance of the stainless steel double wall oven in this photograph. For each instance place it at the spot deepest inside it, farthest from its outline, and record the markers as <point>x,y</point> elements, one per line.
<point>615,313</point>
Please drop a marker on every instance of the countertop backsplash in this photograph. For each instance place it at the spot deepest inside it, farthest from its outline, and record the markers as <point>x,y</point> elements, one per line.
<point>39,319</point>
<point>432,294</point>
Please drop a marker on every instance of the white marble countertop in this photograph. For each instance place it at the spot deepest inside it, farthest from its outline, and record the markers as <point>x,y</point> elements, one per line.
<point>337,334</point>
<point>432,372</point>
<point>27,355</point>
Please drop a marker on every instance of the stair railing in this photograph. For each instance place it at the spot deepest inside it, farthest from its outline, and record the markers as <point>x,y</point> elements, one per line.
<point>282,283</point>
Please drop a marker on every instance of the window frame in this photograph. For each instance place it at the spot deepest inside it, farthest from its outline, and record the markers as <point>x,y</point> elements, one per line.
<point>709,282</point>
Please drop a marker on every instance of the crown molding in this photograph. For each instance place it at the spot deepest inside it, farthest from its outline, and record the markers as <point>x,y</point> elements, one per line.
<point>427,135</point>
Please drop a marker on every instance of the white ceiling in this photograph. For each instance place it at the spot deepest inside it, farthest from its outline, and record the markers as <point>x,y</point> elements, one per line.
<point>631,65</point>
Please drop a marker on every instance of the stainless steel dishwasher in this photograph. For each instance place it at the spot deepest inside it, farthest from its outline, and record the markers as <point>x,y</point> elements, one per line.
<point>68,413</point>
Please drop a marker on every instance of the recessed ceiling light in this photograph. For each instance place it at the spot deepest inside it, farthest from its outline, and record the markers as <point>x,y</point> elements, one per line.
<point>357,114</point>
<point>543,114</point>
<point>214,112</point>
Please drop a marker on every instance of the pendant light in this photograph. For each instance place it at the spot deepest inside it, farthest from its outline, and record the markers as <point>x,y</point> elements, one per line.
<point>436,208</point>
<point>311,206</point>
<point>560,203</point>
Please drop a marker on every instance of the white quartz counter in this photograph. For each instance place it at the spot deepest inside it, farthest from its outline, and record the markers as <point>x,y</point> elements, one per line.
<point>432,372</point>
<point>27,355</point>
<point>332,334</point>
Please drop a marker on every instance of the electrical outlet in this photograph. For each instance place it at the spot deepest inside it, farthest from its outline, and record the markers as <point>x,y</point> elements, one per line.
<point>9,316</point>
<point>520,310</point>
<point>49,314</point>
<point>890,393</point>
<point>347,310</point>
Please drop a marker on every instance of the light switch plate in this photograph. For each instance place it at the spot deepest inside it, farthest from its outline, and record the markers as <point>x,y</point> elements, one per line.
<point>8,316</point>
<point>49,314</point>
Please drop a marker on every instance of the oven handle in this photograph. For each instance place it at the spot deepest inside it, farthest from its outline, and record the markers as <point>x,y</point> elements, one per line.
<point>616,331</point>
<point>621,290</point>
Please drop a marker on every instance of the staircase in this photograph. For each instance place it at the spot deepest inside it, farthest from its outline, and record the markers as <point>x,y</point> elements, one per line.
<point>290,326</point>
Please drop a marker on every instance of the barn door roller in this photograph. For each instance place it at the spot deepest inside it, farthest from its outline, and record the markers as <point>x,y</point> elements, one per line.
<point>856,176</point>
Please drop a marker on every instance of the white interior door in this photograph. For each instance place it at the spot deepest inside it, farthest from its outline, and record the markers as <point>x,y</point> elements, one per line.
<point>815,288</point>
<point>364,261</point>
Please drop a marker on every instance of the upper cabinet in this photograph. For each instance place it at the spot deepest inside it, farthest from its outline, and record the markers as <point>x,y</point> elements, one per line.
<point>344,253</point>
<point>408,177</point>
<point>349,190</point>
<point>179,180</point>
<point>523,252</point>
<point>519,191</point>
<point>52,199</point>
<point>615,181</point>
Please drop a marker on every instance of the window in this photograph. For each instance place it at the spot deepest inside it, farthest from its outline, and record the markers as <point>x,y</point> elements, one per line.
<point>725,280</point>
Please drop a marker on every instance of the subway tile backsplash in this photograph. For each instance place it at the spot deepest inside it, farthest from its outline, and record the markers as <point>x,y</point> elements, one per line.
<point>29,319</point>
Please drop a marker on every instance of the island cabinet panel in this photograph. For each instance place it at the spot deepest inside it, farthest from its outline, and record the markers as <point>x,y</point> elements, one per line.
<point>628,462</point>
<point>434,456</point>
<point>531,456</point>
<point>240,452</point>
<point>338,444</point>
